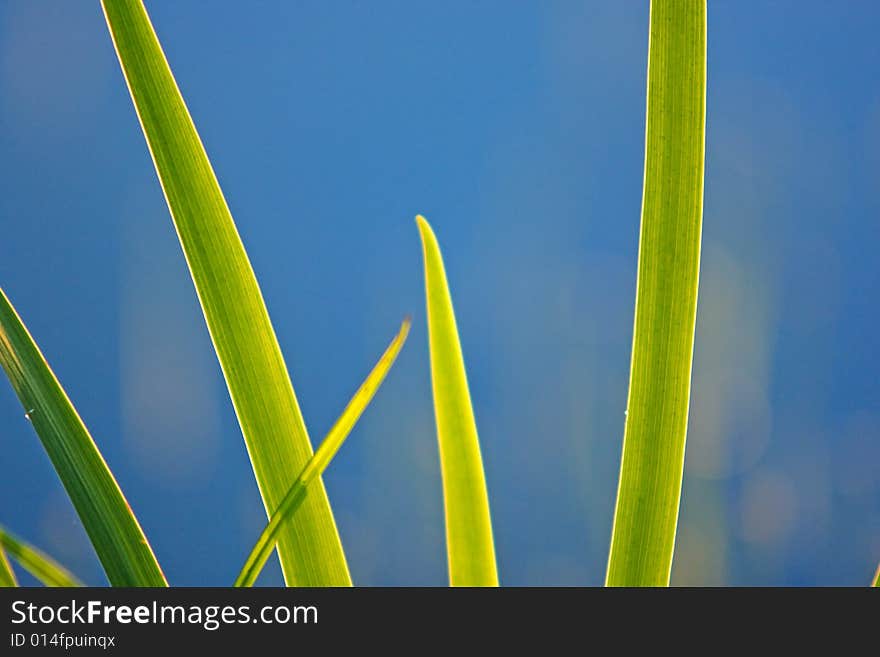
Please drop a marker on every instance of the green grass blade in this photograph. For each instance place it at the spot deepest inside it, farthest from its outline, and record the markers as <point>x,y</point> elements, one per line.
<point>36,562</point>
<point>256,375</point>
<point>469,544</point>
<point>877,577</point>
<point>108,519</point>
<point>319,462</point>
<point>7,576</point>
<point>649,490</point>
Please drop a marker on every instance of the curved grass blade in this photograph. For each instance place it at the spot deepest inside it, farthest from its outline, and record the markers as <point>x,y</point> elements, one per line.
<point>256,375</point>
<point>877,577</point>
<point>649,489</point>
<point>108,519</point>
<point>319,462</point>
<point>469,544</point>
<point>36,562</point>
<point>7,576</point>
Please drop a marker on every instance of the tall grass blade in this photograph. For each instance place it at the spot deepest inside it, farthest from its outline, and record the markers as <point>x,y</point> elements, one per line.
<point>877,577</point>
<point>319,462</point>
<point>108,519</point>
<point>649,489</point>
<point>469,545</point>
<point>7,576</point>
<point>36,562</point>
<point>256,375</point>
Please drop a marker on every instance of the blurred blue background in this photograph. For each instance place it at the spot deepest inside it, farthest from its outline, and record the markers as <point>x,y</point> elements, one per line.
<point>517,129</point>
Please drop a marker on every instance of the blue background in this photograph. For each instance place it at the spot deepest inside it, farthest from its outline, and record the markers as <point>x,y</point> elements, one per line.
<point>517,128</point>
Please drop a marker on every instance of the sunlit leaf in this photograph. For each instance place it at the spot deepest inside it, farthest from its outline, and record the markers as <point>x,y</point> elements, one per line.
<point>469,544</point>
<point>7,577</point>
<point>319,462</point>
<point>256,375</point>
<point>36,562</point>
<point>108,519</point>
<point>649,490</point>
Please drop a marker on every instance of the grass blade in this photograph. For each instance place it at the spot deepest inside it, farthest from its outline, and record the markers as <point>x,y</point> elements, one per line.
<point>108,519</point>
<point>239,324</point>
<point>319,462</point>
<point>7,576</point>
<point>877,577</point>
<point>649,489</point>
<point>469,544</point>
<point>36,562</point>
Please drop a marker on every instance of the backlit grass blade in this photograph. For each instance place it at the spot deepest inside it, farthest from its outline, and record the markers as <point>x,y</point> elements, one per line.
<point>469,545</point>
<point>877,577</point>
<point>36,562</point>
<point>256,375</point>
<point>7,577</point>
<point>108,519</point>
<point>319,462</point>
<point>649,490</point>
